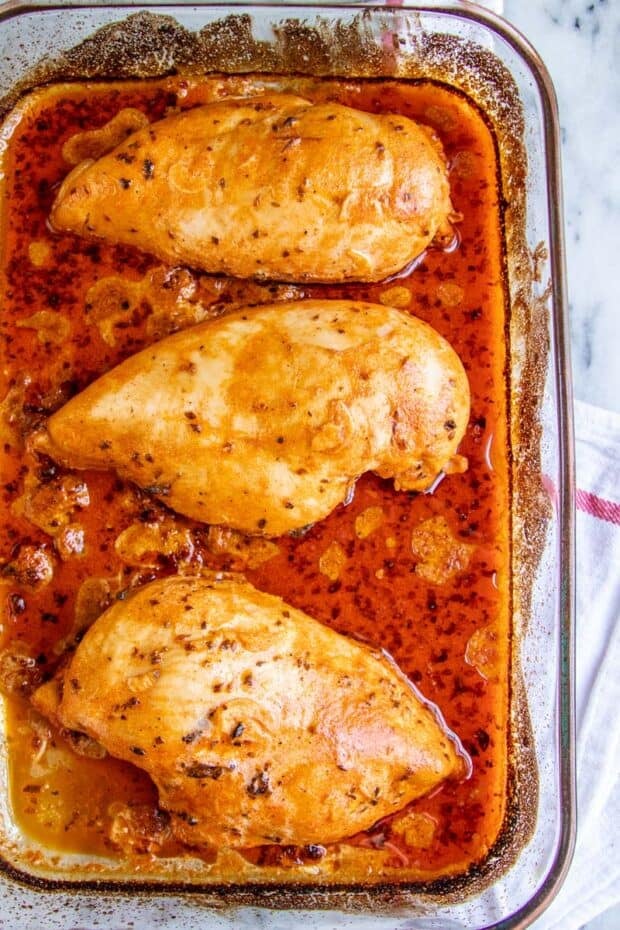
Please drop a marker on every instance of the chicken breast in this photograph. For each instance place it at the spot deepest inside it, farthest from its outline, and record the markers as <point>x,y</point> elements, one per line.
<point>261,420</point>
<point>270,187</point>
<point>256,723</point>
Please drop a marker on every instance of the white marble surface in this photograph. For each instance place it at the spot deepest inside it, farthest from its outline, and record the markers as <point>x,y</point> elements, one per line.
<point>579,40</point>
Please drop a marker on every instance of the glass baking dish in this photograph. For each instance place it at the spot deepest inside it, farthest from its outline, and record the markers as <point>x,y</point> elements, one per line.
<point>475,52</point>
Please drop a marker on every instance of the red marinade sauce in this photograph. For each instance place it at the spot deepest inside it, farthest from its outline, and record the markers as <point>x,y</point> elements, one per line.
<point>356,571</point>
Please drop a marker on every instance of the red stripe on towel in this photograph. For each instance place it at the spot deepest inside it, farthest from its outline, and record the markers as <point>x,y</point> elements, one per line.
<point>598,507</point>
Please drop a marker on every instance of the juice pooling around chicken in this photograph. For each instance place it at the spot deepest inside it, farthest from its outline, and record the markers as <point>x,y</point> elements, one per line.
<point>423,576</point>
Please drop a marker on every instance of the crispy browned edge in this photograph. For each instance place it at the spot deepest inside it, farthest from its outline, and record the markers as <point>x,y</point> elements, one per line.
<point>146,45</point>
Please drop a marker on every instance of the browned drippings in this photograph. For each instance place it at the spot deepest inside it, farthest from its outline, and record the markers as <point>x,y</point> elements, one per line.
<point>423,576</point>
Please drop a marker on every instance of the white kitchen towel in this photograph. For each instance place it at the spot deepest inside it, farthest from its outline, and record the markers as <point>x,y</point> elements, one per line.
<point>593,883</point>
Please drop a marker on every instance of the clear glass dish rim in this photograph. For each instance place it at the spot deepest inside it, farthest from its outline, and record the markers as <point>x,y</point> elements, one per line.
<point>559,332</point>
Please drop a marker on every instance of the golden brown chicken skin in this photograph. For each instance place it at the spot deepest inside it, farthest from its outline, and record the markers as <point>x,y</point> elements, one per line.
<point>270,187</point>
<point>263,419</point>
<point>256,723</point>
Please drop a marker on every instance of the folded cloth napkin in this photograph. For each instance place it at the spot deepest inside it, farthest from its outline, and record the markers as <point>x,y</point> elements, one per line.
<point>593,883</point>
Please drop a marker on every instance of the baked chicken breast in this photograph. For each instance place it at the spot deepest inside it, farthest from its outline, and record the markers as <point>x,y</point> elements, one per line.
<point>271,187</point>
<point>257,723</point>
<point>263,419</point>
